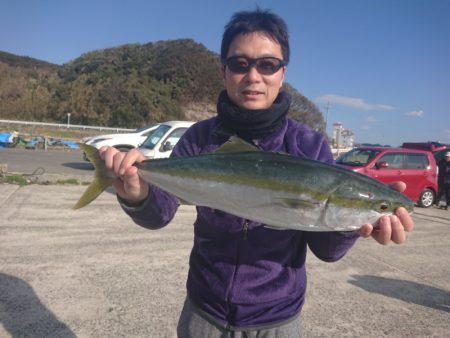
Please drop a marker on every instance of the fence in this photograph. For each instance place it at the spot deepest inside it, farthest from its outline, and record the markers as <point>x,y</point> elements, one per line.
<point>63,125</point>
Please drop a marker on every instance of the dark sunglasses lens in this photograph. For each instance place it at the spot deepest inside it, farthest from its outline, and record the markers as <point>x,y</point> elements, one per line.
<point>238,65</point>
<point>264,66</point>
<point>268,66</point>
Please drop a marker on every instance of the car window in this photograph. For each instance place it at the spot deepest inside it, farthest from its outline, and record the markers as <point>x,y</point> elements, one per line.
<point>357,157</point>
<point>175,136</point>
<point>148,133</point>
<point>394,160</point>
<point>416,161</point>
<point>151,141</point>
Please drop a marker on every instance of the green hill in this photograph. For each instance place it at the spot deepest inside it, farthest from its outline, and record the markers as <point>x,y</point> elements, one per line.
<point>126,86</point>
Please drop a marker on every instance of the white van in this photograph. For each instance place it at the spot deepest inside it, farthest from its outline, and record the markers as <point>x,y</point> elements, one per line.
<point>122,141</point>
<point>160,142</point>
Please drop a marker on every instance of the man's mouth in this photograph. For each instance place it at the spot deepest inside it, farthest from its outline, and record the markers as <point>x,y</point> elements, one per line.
<point>251,92</point>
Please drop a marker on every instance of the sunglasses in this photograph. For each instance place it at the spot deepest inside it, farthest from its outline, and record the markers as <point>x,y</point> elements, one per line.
<point>264,66</point>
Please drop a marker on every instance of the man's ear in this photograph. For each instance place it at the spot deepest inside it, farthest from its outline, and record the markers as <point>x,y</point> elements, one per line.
<point>282,78</point>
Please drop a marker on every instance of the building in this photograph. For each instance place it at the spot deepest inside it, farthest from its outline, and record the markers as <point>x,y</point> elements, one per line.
<point>342,138</point>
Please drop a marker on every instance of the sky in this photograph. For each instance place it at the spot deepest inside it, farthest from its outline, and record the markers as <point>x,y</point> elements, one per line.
<point>379,67</point>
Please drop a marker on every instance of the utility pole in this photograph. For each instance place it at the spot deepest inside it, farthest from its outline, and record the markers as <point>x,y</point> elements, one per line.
<point>326,117</point>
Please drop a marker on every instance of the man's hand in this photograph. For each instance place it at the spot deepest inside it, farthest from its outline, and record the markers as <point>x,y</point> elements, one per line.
<point>390,228</point>
<point>128,184</point>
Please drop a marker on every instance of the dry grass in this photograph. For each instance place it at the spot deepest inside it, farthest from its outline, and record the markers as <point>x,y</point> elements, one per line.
<point>48,131</point>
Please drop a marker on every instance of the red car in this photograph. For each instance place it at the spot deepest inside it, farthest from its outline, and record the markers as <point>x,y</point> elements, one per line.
<point>434,147</point>
<point>438,149</point>
<point>417,168</point>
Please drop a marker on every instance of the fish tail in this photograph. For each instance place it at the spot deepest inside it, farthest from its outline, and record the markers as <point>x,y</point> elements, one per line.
<point>101,178</point>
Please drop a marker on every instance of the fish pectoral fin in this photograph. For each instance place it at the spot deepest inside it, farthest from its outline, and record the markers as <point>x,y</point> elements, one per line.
<point>296,203</point>
<point>236,145</point>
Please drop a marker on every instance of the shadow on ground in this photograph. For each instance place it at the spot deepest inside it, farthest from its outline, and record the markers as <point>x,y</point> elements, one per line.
<point>407,291</point>
<point>23,315</point>
<point>79,165</point>
<point>435,218</point>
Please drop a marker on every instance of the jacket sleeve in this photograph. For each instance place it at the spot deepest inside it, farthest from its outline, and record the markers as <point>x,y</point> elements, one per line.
<point>155,212</point>
<point>328,246</point>
<point>160,207</point>
<point>331,246</point>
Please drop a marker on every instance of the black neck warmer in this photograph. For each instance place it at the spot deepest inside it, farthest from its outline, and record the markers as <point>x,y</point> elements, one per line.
<point>252,124</point>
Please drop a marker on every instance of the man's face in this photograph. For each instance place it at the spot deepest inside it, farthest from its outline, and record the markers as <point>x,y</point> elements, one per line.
<point>253,90</point>
<point>447,158</point>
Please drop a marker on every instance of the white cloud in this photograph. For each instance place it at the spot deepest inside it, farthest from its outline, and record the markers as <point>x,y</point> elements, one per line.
<point>352,102</point>
<point>365,127</point>
<point>371,119</point>
<point>415,113</point>
<point>447,133</point>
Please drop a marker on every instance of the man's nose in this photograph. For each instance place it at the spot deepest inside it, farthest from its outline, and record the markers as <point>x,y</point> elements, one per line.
<point>253,74</point>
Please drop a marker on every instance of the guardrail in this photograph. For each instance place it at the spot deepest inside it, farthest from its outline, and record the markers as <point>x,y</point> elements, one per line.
<point>63,125</point>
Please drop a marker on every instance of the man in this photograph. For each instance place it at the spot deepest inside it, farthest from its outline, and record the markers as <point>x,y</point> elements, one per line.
<point>245,279</point>
<point>444,180</point>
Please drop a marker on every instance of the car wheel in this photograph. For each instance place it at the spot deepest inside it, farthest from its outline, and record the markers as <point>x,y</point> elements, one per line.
<point>426,198</point>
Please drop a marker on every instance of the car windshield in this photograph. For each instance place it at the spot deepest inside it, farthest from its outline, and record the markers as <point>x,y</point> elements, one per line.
<point>144,128</point>
<point>152,139</point>
<point>357,157</point>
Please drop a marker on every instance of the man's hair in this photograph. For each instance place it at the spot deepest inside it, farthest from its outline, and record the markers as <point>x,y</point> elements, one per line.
<point>259,20</point>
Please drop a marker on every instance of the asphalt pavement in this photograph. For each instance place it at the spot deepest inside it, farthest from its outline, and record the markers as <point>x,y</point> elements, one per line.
<point>94,273</point>
<point>47,166</point>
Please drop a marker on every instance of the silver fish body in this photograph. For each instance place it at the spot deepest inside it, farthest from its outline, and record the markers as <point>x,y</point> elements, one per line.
<point>278,190</point>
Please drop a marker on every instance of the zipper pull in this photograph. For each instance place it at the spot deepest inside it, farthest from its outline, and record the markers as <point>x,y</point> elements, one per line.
<point>245,228</point>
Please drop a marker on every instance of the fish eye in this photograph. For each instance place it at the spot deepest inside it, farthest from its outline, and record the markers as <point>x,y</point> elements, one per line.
<point>384,206</point>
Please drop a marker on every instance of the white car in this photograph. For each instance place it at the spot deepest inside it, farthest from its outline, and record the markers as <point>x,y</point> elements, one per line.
<point>121,141</point>
<point>160,142</point>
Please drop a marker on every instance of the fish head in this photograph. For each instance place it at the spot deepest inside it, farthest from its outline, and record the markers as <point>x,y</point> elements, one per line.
<point>354,204</point>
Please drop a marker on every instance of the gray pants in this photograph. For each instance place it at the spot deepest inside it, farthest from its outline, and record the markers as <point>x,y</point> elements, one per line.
<point>193,324</point>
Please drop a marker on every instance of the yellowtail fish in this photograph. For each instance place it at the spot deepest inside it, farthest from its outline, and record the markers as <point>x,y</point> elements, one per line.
<point>278,190</point>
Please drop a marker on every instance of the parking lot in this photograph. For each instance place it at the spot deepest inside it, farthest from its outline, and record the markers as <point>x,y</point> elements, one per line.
<point>93,273</point>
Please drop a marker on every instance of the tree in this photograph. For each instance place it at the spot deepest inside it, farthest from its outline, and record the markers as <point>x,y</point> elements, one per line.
<point>303,110</point>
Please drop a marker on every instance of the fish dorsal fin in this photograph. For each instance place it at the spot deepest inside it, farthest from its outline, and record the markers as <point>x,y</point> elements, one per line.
<point>236,145</point>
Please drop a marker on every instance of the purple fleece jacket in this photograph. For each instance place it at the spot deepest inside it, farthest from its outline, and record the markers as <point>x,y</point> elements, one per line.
<point>240,272</point>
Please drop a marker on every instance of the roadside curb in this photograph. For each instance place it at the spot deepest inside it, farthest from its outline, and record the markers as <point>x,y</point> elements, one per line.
<point>47,179</point>
<point>60,178</point>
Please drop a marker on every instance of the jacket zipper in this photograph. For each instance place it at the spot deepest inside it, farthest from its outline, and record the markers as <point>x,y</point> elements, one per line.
<point>238,254</point>
<point>245,229</point>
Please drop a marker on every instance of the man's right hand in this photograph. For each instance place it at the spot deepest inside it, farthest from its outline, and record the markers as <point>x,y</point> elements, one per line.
<point>128,184</point>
